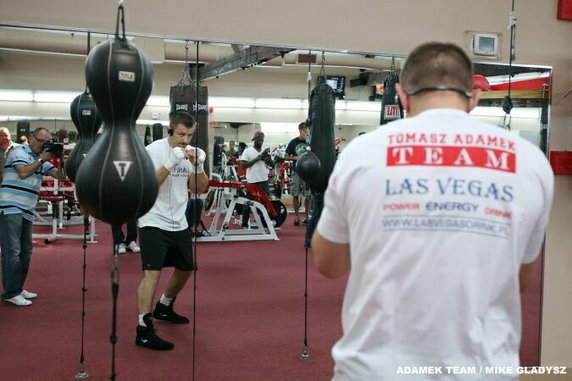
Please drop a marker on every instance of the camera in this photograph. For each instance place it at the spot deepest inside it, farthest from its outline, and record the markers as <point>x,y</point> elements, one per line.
<point>55,148</point>
<point>265,153</point>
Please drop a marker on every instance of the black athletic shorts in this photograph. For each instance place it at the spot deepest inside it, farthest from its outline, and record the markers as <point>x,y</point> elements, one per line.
<point>161,248</point>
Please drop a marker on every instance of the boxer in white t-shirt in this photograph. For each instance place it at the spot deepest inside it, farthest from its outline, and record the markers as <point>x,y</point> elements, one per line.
<point>165,238</point>
<point>438,219</point>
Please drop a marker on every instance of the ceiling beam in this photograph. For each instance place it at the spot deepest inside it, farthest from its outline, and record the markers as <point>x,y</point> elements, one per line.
<point>240,60</point>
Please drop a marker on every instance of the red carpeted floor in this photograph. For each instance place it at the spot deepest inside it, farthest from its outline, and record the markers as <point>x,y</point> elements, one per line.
<point>249,316</point>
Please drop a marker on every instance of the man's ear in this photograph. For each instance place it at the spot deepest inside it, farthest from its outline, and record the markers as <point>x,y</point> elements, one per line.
<point>403,97</point>
<point>474,100</point>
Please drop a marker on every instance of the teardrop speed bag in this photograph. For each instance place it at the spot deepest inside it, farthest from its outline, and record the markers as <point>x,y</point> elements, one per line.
<point>117,181</point>
<point>87,120</point>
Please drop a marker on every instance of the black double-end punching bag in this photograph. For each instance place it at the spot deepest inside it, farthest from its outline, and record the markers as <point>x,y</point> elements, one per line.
<point>322,147</point>
<point>87,121</point>
<point>117,182</point>
<point>391,108</point>
<point>195,101</point>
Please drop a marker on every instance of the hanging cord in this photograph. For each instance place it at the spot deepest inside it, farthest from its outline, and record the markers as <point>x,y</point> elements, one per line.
<point>195,195</point>
<point>305,355</point>
<point>87,54</point>
<point>507,103</point>
<point>114,275</point>
<point>322,75</point>
<point>122,11</point>
<point>82,373</point>
<point>186,79</point>
<point>309,81</point>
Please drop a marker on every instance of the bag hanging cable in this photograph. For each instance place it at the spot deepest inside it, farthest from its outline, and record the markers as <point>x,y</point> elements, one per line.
<point>507,104</point>
<point>82,372</point>
<point>195,195</point>
<point>114,273</point>
<point>305,354</point>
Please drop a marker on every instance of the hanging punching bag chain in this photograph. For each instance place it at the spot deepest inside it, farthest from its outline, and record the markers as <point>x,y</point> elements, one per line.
<point>305,355</point>
<point>507,104</point>
<point>122,11</point>
<point>195,195</point>
<point>114,292</point>
<point>82,373</point>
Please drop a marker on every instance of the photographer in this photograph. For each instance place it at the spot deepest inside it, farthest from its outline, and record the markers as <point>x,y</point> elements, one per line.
<point>255,161</point>
<point>25,166</point>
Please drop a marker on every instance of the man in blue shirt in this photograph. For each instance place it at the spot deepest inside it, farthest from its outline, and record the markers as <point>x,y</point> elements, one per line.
<point>23,171</point>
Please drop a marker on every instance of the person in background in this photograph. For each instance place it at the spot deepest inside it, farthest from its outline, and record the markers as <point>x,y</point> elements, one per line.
<point>24,169</point>
<point>165,237</point>
<point>438,234</point>
<point>231,149</point>
<point>241,147</point>
<point>255,160</point>
<point>6,144</point>
<point>296,148</point>
<point>124,242</point>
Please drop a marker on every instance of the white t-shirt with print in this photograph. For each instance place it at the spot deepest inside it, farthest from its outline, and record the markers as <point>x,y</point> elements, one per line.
<point>440,211</point>
<point>258,172</point>
<point>168,212</point>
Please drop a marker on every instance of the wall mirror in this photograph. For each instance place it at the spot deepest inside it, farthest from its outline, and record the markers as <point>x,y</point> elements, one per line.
<point>255,87</point>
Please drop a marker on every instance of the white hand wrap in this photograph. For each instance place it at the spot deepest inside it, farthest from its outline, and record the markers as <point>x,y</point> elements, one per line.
<point>201,157</point>
<point>175,156</point>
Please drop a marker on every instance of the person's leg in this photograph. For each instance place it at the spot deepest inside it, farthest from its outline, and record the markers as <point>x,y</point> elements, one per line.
<point>246,212</point>
<point>117,234</point>
<point>11,247</point>
<point>26,244</point>
<point>152,258</point>
<point>146,291</point>
<point>129,243</point>
<point>131,231</point>
<point>176,282</point>
<point>295,192</point>
<point>180,256</point>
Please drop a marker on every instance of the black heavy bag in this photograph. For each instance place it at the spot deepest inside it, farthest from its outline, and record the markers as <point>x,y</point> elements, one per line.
<point>117,182</point>
<point>391,108</point>
<point>157,131</point>
<point>187,98</point>
<point>22,129</point>
<point>148,138</point>
<point>87,121</point>
<point>322,145</point>
<point>322,137</point>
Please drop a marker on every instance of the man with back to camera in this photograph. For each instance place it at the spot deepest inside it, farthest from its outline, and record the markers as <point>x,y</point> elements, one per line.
<point>164,235</point>
<point>438,233</point>
<point>255,161</point>
<point>296,148</point>
<point>24,169</point>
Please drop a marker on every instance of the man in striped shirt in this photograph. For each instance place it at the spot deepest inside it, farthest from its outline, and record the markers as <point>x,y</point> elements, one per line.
<point>23,171</point>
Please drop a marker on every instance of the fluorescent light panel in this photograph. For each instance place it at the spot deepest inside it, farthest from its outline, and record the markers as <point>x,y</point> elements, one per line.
<point>54,96</point>
<point>231,102</point>
<point>158,100</point>
<point>283,103</point>
<point>16,95</point>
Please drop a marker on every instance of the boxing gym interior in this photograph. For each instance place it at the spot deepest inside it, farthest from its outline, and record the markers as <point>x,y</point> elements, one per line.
<point>259,310</point>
